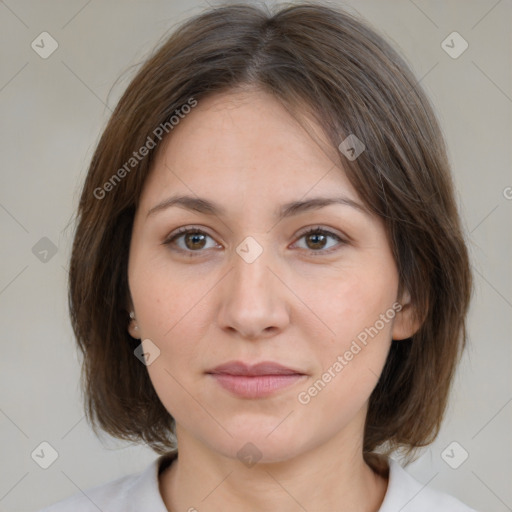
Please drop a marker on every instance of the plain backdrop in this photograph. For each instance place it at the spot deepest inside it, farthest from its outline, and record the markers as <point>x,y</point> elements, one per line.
<point>52,113</point>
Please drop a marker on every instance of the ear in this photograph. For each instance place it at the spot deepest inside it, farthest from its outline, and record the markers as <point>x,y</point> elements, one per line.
<point>406,322</point>
<point>133,328</point>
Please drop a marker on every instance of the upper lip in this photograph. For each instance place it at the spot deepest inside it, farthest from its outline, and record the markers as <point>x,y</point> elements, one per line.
<point>263,368</point>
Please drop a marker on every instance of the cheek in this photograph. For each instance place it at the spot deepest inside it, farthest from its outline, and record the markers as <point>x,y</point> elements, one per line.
<point>167,302</point>
<point>175,324</point>
<point>353,300</point>
<point>358,310</point>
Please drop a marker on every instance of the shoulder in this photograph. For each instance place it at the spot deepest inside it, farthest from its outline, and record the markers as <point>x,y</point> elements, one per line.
<point>137,491</point>
<point>408,495</point>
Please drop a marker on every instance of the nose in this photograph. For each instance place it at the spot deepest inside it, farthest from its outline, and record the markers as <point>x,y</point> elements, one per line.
<point>254,300</point>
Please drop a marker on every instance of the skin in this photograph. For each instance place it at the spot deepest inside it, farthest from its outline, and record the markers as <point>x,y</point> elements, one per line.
<point>301,303</point>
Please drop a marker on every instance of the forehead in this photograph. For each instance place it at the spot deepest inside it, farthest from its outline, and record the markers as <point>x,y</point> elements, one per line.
<point>245,144</point>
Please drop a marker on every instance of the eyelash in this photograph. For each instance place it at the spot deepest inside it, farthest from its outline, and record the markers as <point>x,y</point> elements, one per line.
<point>317,230</point>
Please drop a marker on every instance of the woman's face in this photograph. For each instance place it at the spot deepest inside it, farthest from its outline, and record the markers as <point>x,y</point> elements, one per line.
<point>248,285</point>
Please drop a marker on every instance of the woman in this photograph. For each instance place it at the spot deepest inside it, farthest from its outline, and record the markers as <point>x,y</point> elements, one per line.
<point>269,281</point>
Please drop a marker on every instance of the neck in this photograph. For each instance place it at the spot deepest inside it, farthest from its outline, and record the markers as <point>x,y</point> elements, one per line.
<point>332,476</point>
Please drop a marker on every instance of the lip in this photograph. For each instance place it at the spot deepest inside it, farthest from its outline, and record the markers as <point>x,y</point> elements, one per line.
<point>263,368</point>
<point>255,381</point>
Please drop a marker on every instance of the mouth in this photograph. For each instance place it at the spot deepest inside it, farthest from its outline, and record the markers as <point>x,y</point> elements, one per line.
<point>255,381</point>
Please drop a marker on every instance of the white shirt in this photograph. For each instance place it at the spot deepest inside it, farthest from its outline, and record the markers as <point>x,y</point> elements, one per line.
<point>140,493</point>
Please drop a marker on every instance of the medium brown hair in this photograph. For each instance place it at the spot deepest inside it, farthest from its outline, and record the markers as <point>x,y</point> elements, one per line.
<point>327,64</point>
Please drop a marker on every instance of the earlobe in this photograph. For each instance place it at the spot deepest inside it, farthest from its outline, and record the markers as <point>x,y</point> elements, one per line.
<point>133,328</point>
<point>403,326</point>
<point>406,322</point>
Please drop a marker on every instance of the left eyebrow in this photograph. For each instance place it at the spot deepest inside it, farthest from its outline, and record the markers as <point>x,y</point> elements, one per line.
<point>208,207</point>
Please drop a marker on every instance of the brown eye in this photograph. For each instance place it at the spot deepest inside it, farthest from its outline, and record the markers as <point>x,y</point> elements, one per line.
<point>194,240</point>
<point>317,240</point>
<point>189,240</point>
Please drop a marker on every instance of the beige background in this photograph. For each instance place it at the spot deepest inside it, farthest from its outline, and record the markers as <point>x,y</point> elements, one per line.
<point>53,111</point>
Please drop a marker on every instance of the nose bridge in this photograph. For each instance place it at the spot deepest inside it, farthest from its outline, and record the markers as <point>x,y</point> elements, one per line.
<point>252,302</point>
<point>251,279</point>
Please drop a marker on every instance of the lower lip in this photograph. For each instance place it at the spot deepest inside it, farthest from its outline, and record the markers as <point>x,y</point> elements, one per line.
<point>257,386</point>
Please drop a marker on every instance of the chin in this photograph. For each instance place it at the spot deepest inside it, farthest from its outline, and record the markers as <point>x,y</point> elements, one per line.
<point>253,445</point>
